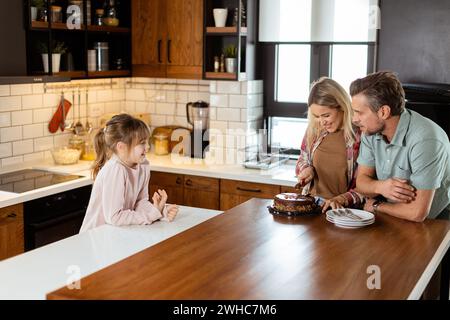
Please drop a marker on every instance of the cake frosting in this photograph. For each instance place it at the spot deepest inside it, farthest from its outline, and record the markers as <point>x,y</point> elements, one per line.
<point>294,202</point>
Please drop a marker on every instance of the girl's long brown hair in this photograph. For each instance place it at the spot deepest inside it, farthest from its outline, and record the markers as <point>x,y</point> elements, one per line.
<point>121,128</point>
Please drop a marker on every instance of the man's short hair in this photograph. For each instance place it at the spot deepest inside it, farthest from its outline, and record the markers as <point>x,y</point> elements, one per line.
<point>381,88</point>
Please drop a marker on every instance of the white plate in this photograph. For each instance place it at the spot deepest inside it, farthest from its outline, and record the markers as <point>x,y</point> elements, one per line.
<point>364,215</point>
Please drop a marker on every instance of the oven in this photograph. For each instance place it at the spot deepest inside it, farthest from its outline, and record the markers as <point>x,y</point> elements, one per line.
<point>54,217</point>
<point>431,100</point>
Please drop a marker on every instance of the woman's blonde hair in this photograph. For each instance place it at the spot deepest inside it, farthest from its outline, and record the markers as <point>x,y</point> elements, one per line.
<point>327,92</point>
<point>121,128</point>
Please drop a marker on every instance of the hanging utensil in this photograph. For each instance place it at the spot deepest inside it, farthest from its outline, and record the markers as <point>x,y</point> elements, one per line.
<point>89,126</point>
<point>70,126</point>
<point>79,126</point>
<point>58,119</point>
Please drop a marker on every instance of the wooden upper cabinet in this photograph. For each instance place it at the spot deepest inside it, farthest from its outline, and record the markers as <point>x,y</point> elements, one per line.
<point>148,38</point>
<point>167,38</point>
<point>11,231</point>
<point>184,38</point>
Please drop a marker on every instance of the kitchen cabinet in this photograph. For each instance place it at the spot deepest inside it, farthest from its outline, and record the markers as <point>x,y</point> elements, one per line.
<point>11,231</point>
<point>172,183</point>
<point>201,192</point>
<point>45,34</point>
<point>186,190</point>
<point>167,38</point>
<point>239,32</point>
<point>233,193</point>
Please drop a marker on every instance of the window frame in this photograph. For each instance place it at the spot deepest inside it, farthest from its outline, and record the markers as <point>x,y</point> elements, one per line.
<point>320,65</point>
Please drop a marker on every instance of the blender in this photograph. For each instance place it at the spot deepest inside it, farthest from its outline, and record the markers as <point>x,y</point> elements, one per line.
<point>198,116</point>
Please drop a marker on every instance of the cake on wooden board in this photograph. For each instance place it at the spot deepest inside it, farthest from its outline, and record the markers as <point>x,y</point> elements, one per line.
<point>294,202</point>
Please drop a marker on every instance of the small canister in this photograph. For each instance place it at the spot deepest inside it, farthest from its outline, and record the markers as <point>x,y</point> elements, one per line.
<point>102,51</point>
<point>161,143</point>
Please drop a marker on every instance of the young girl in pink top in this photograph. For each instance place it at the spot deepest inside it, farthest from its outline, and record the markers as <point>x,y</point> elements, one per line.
<point>122,173</point>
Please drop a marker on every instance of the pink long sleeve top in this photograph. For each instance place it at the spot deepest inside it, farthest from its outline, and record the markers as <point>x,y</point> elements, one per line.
<point>120,196</point>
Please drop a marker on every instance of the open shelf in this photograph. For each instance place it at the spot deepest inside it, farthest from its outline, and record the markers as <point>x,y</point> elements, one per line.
<point>225,31</point>
<point>109,73</point>
<point>221,75</point>
<point>55,26</point>
<point>71,74</point>
<point>108,29</point>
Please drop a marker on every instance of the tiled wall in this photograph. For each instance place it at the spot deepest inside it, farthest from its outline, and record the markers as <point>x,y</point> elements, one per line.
<point>25,111</point>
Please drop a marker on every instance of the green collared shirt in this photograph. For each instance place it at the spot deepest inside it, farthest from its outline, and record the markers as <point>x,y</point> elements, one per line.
<point>419,152</point>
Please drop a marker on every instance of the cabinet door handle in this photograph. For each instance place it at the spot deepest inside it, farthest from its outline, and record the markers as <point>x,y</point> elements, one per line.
<point>178,180</point>
<point>168,50</point>
<point>159,51</point>
<point>12,215</point>
<point>189,182</point>
<point>248,190</point>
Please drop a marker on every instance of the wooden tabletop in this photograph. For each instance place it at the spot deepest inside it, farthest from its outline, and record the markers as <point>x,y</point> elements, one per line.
<point>246,253</point>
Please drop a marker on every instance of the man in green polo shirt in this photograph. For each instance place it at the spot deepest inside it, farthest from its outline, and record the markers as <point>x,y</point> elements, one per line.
<point>404,158</point>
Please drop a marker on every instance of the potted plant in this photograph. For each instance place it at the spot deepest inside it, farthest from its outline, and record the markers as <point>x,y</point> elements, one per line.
<point>35,6</point>
<point>230,58</point>
<point>58,48</point>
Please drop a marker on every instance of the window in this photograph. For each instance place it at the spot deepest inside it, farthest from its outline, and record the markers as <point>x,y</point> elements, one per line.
<point>303,40</point>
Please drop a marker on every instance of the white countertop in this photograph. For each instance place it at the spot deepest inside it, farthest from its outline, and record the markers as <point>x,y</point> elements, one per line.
<point>283,175</point>
<point>35,273</point>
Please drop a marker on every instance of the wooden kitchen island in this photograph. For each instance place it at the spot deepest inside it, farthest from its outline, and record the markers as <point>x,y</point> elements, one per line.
<point>246,253</point>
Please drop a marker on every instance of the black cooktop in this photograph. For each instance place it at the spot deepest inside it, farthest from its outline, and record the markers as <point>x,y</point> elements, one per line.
<point>31,179</point>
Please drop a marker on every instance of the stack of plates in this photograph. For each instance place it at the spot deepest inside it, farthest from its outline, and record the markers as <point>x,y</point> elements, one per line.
<point>350,218</point>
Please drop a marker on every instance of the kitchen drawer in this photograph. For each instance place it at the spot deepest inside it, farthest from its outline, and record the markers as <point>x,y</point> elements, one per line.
<point>201,183</point>
<point>166,179</point>
<point>249,189</point>
<point>285,189</point>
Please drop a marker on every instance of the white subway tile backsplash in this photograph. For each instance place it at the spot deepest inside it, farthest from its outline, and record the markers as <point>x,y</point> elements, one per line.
<point>135,94</point>
<point>96,109</point>
<point>238,101</point>
<point>19,118</point>
<point>113,107</point>
<point>38,88</point>
<point>11,103</point>
<point>187,81</point>
<point>229,87</point>
<point>145,107</point>
<point>42,115</point>
<point>12,161</point>
<point>43,144</point>
<point>219,100</point>
<point>22,147</point>
<point>165,108</point>
<point>196,96</point>
<point>187,88</point>
<point>4,90</point>
<point>104,95</point>
<point>5,119</point>
<point>10,134</point>
<point>118,94</point>
<point>33,157</point>
<point>32,101</point>
<point>33,131</point>
<point>52,100</point>
<point>158,120</point>
<point>21,89</point>
<point>5,150</point>
<point>228,114</point>
<point>213,87</point>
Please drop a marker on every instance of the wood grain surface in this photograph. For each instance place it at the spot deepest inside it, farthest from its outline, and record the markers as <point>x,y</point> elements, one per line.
<point>247,253</point>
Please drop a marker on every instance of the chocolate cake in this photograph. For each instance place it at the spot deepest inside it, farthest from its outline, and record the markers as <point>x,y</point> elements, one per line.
<point>294,202</point>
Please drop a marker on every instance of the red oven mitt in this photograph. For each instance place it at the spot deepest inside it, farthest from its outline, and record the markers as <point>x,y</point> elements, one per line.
<point>57,120</point>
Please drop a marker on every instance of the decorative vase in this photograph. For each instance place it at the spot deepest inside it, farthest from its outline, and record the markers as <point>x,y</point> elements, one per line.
<point>34,11</point>
<point>56,59</point>
<point>220,16</point>
<point>230,65</point>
